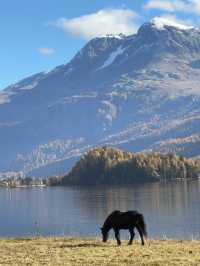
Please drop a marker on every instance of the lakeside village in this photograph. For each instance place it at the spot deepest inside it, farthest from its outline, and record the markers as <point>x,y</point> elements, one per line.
<point>18,179</point>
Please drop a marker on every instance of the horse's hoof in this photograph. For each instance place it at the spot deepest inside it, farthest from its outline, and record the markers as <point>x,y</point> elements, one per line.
<point>129,244</point>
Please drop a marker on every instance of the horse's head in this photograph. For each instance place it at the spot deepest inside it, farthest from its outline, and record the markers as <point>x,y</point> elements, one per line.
<point>104,234</point>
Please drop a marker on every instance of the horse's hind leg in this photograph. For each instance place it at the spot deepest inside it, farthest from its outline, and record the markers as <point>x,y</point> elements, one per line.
<point>117,236</point>
<point>132,233</point>
<point>141,234</point>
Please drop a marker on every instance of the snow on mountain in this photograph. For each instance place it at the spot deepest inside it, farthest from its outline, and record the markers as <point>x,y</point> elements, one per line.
<point>187,145</point>
<point>136,92</point>
<point>112,57</point>
<point>117,36</point>
<point>161,22</point>
<point>5,97</point>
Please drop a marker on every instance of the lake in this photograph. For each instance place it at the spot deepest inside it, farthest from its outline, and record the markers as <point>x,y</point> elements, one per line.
<point>171,210</point>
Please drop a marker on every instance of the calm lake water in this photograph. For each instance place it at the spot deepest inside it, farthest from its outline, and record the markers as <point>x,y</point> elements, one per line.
<point>171,210</point>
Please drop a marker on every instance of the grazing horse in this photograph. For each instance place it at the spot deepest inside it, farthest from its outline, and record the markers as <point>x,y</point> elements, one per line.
<point>124,220</point>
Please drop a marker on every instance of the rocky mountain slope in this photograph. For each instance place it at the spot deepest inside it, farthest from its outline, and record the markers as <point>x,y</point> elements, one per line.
<point>139,92</point>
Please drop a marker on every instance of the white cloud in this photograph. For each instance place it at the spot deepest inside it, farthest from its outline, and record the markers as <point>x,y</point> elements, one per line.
<point>188,6</point>
<point>196,6</point>
<point>46,50</point>
<point>105,21</point>
<point>162,5</point>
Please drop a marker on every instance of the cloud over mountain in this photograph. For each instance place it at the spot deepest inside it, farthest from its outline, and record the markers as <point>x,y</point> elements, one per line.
<point>103,22</point>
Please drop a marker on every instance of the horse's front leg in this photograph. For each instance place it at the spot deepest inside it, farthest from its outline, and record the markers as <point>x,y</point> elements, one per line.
<point>132,233</point>
<point>141,234</point>
<point>117,236</point>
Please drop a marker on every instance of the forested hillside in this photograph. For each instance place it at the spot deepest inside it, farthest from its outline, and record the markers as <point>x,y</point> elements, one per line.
<point>107,165</point>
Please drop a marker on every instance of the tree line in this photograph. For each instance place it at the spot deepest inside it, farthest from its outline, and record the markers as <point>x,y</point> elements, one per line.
<point>106,165</point>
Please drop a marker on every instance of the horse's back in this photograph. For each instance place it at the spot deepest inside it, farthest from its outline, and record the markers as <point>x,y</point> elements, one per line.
<point>130,213</point>
<point>133,213</point>
<point>123,218</point>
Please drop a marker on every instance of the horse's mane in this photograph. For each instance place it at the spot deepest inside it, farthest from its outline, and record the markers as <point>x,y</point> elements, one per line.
<point>110,217</point>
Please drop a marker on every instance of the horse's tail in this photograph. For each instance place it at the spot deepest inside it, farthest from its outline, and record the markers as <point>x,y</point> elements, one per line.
<point>142,225</point>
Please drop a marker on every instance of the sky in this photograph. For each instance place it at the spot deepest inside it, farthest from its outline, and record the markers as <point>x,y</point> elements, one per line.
<point>38,35</point>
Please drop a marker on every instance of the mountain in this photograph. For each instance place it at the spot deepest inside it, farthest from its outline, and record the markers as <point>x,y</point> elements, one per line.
<point>138,92</point>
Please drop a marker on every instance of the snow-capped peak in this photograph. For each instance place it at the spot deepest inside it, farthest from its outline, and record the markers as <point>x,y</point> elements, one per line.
<point>161,22</point>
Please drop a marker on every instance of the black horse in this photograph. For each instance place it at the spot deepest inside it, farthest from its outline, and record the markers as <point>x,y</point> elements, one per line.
<point>124,220</point>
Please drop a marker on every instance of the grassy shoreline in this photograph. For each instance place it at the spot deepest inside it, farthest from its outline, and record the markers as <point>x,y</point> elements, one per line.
<point>85,251</point>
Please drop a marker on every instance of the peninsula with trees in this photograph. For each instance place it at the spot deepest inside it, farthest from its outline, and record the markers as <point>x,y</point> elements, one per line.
<point>106,165</point>
<point>112,166</point>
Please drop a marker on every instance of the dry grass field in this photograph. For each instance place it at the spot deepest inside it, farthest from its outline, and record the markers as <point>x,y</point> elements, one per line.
<point>75,251</point>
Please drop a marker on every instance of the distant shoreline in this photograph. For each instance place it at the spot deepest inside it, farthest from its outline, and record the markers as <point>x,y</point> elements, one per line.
<point>110,166</point>
<point>103,185</point>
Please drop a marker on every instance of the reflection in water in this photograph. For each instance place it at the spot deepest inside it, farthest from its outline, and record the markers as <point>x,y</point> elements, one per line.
<point>170,209</point>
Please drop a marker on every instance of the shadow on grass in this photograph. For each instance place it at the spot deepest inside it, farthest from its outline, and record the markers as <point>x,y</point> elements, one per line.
<point>81,245</point>
<point>19,239</point>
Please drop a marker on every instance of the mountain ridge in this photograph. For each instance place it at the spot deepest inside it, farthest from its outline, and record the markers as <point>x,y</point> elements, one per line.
<point>127,91</point>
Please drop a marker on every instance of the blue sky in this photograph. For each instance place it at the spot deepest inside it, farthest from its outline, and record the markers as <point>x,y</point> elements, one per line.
<point>41,34</point>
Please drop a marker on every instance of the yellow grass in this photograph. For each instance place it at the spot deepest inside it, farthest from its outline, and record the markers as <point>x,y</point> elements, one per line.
<point>75,251</point>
